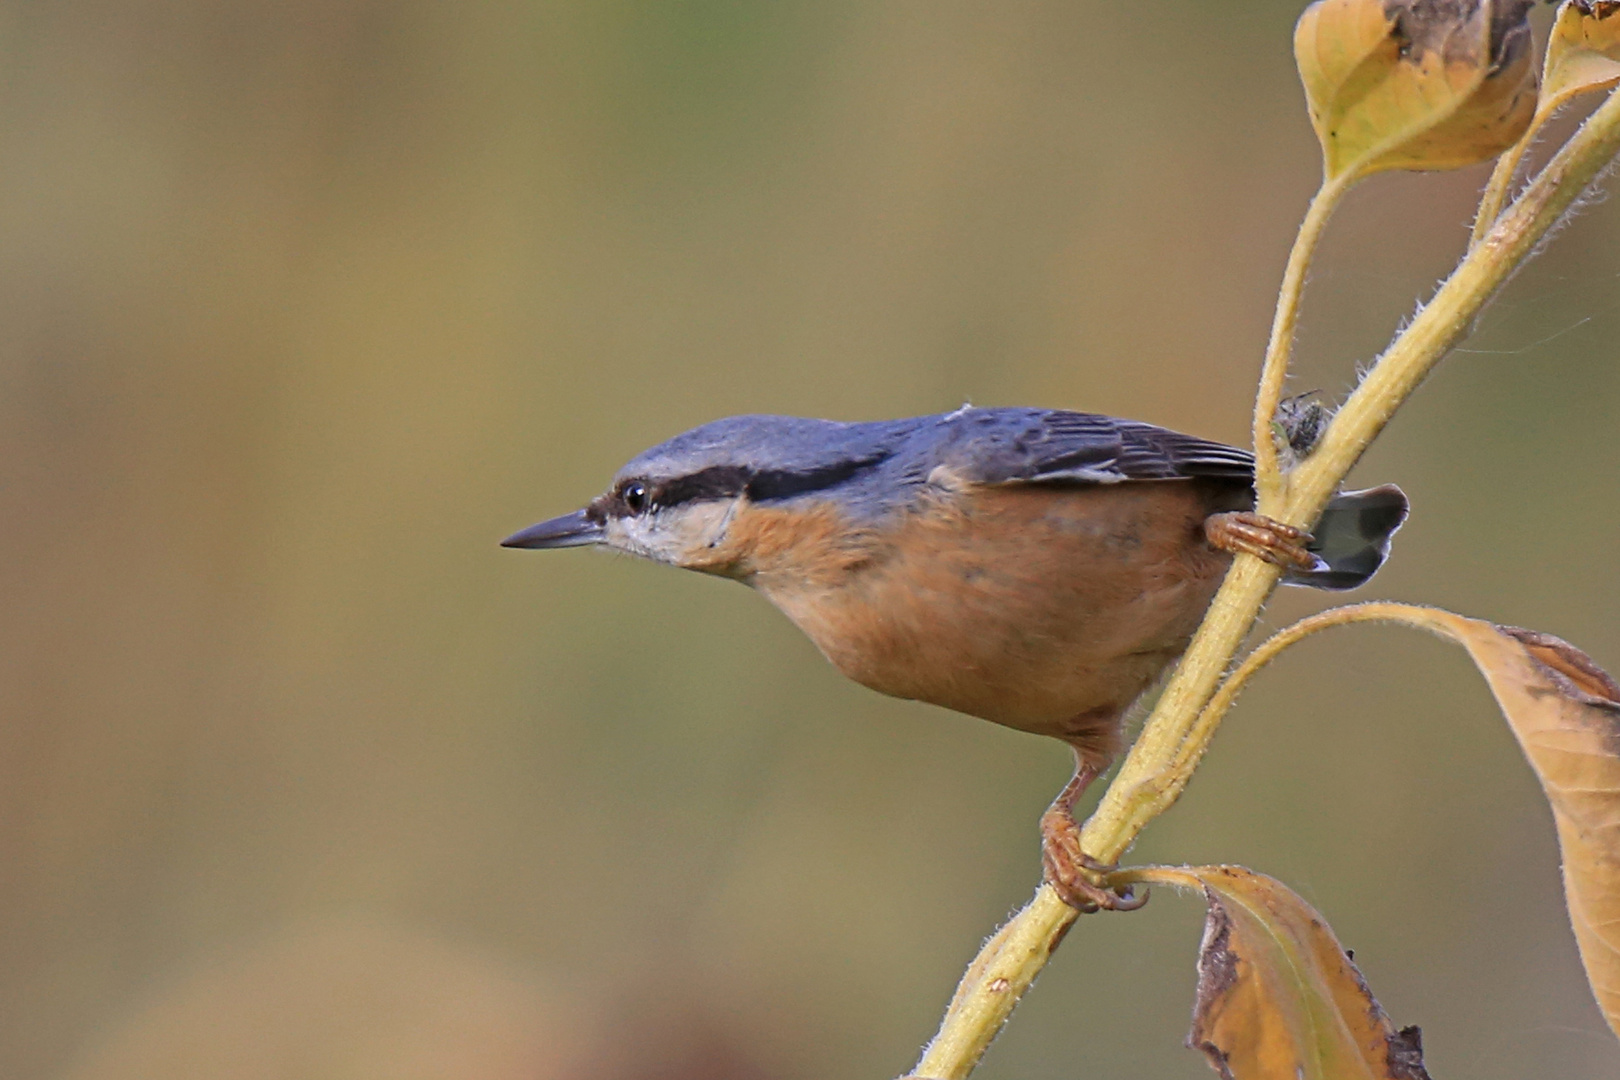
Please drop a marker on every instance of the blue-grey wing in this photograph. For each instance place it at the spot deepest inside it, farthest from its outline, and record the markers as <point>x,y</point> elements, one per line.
<point>1038,446</point>
<point>1031,446</point>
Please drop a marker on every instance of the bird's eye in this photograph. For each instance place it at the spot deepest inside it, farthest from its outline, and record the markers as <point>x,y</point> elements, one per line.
<point>635,496</point>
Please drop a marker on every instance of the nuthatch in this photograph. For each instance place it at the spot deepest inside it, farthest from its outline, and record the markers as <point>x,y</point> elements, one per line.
<point>1033,567</point>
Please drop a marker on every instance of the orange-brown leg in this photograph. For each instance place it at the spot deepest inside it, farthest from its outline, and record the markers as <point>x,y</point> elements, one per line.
<point>1063,865</point>
<point>1246,532</point>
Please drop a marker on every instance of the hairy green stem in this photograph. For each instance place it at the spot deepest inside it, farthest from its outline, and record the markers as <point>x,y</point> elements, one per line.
<point>1495,194</point>
<point>1272,647</point>
<point>1269,482</point>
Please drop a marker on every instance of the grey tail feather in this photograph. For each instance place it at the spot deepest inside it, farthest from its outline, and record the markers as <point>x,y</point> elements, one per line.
<point>1352,538</point>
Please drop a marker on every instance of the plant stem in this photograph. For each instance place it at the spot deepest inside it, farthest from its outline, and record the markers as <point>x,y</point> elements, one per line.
<point>1448,316</point>
<point>1272,647</point>
<point>1176,734</point>
<point>1494,197</point>
<point>1145,785</point>
<point>1269,482</point>
<point>1005,967</point>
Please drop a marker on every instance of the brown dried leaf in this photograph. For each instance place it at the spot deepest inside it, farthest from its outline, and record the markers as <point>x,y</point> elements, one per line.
<point>1278,998</point>
<point>1583,52</point>
<point>1415,84</point>
<point>1565,711</point>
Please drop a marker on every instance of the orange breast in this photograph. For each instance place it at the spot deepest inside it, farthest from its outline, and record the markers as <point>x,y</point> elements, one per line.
<point>1046,609</point>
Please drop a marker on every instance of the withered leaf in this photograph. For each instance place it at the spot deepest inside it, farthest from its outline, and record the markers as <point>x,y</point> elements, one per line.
<point>1278,997</point>
<point>1565,712</point>
<point>1583,52</point>
<point>1415,84</point>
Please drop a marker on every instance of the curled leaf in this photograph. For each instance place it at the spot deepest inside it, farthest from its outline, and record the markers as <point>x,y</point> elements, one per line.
<point>1583,52</point>
<point>1278,997</point>
<point>1565,712</point>
<point>1415,84</point>
<point>1583,57</point>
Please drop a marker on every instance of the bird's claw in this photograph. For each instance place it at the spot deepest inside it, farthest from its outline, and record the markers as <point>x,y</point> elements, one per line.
<point>1071,872</point>
<point>1244,532</point>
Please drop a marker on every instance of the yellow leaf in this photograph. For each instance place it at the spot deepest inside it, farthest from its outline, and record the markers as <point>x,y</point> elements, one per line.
<point>1583,52</point>
<point>1415,84</point>
<point>1278,997</point>
<point>1592,891</point>
<point>1565,711</point>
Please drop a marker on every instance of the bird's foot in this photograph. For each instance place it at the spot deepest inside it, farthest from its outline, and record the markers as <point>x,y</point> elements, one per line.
<point>1248,533</point>
<point>1071,871</point>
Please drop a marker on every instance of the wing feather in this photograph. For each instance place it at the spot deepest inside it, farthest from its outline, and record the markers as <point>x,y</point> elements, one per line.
<point>1036,446</point>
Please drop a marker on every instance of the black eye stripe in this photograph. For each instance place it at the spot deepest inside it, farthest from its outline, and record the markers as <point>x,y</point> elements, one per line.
<point>730,481</point>
<point>718,482</point>
<point>781,484</point>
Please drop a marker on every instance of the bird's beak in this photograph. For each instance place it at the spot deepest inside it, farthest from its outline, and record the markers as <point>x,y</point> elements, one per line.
<point>570,530</point>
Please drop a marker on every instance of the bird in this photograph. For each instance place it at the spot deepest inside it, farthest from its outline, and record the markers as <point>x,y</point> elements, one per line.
<point>1038,568</point>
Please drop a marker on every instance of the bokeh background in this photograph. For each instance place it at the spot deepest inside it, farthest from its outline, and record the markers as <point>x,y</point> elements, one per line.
<point>303,306</point>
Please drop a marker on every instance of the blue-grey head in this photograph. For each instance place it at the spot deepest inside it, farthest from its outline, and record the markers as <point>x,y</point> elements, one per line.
<point>678,502</point>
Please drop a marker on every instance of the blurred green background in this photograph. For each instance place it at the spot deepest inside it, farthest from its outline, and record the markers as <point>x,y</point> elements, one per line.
<point>303,306</point>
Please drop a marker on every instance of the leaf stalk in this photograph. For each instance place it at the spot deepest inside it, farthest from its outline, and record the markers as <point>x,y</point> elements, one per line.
<point>1269,482</point>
